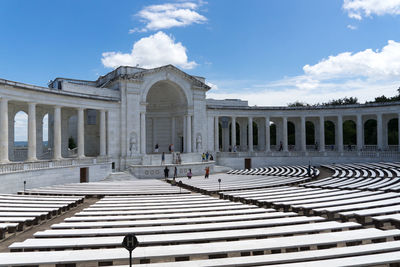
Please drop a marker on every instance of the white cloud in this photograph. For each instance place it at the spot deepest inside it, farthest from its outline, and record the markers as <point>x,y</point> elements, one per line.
<point>379,64</point>
<point>357,9</point>
<point>365,75</point>
<point>149,52</point>
<point>165,16</point>
<point>351,27</point>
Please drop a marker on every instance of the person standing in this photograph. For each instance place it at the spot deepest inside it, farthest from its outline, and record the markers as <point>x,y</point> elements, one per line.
<point>207,155</point>
<point>207,174</point>
<point>166,172</point>
<point>175,172</point>
<point>156,148</point>
<point>163,158</point>
<point>189,174</point>
<point>203,157</point>
<point>280,146</point>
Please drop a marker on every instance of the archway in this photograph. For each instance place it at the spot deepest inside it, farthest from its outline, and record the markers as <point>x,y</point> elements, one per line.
<point>349,133</point>
<point>291,134</point>
<point>255,134</point>
<point>165,117</point>
<point>329,133</point>
<point>393,132</point>
<point>44,152</point>
<point>20,136</point>
<point>310,133</point>
<point>272,134</point>
<point>370,135</point>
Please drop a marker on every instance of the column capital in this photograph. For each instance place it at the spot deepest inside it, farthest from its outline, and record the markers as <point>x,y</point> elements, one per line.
<point>80,108</point>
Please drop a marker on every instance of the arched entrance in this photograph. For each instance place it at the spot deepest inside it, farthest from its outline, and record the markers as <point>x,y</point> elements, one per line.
<point>165,117</point>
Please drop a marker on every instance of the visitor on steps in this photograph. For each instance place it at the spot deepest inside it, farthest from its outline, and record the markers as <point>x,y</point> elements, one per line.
<point>207,174</point>
<point>156,148</point>
<point>175,172</point>
<point>166,172</point>
<point>163,158</point>
<point>189,174</point>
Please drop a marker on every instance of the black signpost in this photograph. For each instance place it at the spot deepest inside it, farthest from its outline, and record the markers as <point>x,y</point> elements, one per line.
<point>130,242</point>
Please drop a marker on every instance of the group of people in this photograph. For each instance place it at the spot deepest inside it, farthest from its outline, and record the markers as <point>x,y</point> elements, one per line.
<point>170,148</point>
<point>189,174</point>
<point>206,156</point>
<point>166,173</point>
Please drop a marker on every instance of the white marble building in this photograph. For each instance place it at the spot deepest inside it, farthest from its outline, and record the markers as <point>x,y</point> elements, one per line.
<point>122,116</point>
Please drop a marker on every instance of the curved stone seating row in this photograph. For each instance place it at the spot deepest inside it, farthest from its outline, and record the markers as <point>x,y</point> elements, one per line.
<point>296,171</point>
<point>112,188</point>
<point>366,170</point>
<point>19,211</point>
<point>318,244</point>
<point>185,227</point>
<point>371,176</point>
<point>236,182</point>
<point>330,203</point>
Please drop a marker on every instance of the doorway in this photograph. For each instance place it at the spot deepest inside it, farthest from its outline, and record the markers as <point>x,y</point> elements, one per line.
<point>84,175</point>
<point>247,164</point>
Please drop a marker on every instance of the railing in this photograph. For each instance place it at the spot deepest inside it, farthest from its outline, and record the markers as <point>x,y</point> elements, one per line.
<point>45,164</point>
<point>393,154</point>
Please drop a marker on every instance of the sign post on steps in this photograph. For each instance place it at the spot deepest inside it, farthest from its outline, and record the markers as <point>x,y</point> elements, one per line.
<point>130,242</point>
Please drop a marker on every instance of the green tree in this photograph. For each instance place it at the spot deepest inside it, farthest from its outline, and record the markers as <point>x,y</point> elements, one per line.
<point>71,143</point>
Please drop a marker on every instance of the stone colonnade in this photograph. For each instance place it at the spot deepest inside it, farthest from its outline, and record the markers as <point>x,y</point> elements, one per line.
<point>57,131</point>
<point>320,119</point>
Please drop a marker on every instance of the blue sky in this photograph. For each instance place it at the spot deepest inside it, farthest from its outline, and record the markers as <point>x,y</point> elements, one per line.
<point>267,52</point>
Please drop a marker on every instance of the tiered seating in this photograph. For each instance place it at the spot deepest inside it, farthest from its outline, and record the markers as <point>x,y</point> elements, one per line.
<point>273,223</point>
<point>237,182</point>
<point>185,227</point>
<point>113,188</point>
<point>18,211</point>
<point>291,171</point>
<point>371,176</point>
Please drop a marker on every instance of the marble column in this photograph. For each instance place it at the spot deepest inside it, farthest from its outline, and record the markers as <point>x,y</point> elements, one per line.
<point>189,133</point>
<point>284,134</point>
<point>321,134</point>
<point>379,129</point>
<point>81,133</point>
<point>32,132</point>
<point>142,132</point>
<point>233,132</point>
<point>359,133</point>
<point>103,150</point>
<point>173,131</point>
<point>250,133</point>
<point>303,133</point>
<point>267,135</point>
<point>57,133</point>
<point>340,133</point>
<point>4,130</point>
<point>216,134</point>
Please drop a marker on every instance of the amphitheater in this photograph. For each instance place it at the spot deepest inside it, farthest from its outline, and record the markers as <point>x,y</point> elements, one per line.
<point>275,196</point>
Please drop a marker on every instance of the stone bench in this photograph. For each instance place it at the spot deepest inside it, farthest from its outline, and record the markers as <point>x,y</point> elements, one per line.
<point>102,224</point>
<point>206,250</point>
<point>180,238</point>
<point>369,254</point>
<point>84,216</point>
<point>199,227</point>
